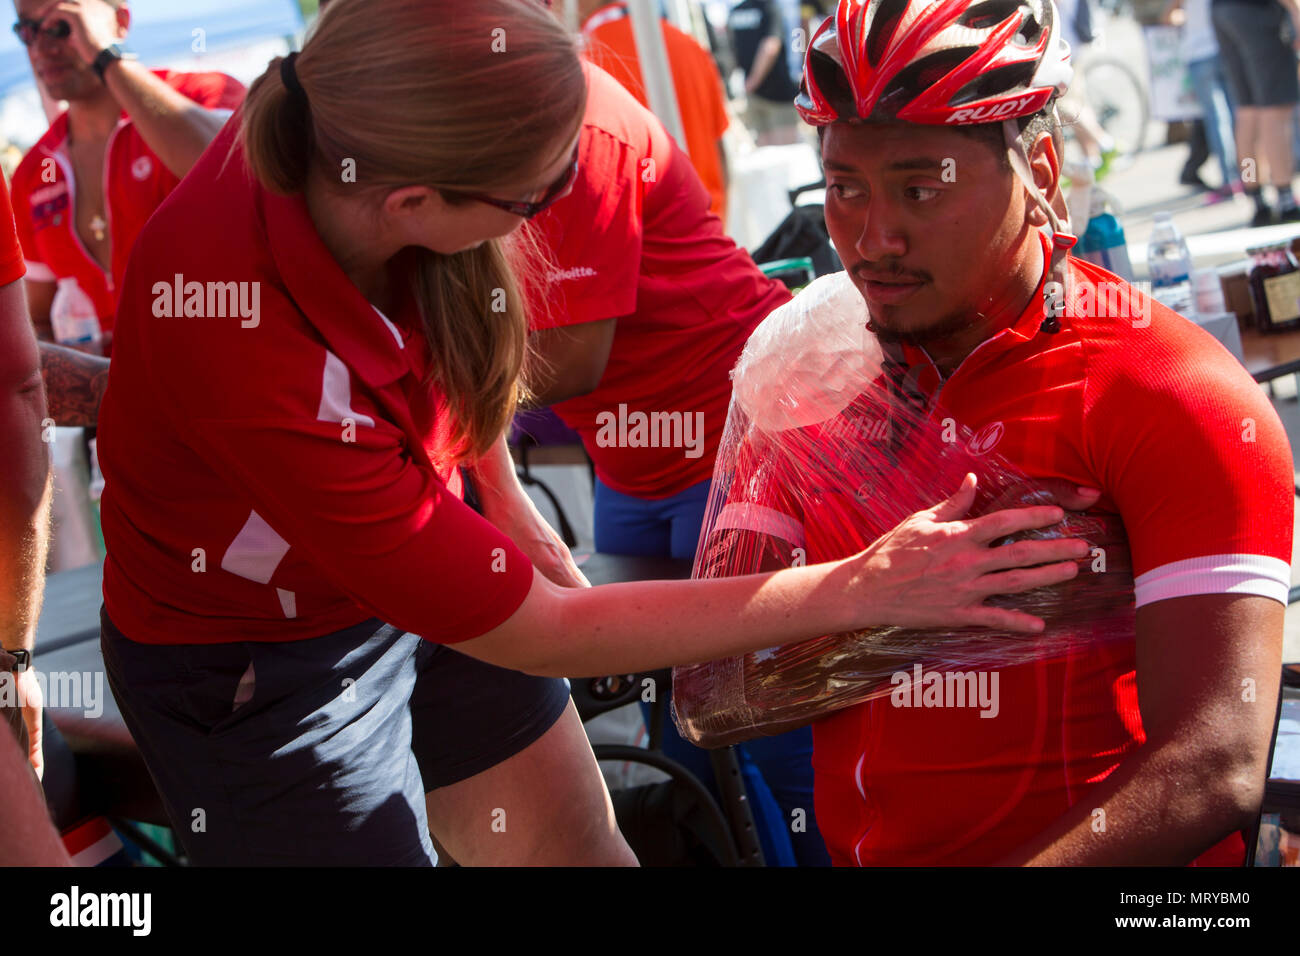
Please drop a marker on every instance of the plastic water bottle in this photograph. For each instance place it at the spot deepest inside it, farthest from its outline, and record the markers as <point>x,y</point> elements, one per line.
<point>1170,264</point>
<point>73,315</point>
<point>1103,243</point>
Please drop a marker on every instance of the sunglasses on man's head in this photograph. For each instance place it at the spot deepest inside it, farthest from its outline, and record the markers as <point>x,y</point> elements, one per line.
<point>557,191</point>
<point>28,30</point>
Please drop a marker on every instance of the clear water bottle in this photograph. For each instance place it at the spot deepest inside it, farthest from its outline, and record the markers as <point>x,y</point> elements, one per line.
<point>1170,264</point>
<point>73,315</point>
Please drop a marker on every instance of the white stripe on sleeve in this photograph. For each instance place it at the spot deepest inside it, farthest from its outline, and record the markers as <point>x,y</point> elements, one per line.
<point>746,516</point>
<point>39,272</point>
<point>1216,574</point>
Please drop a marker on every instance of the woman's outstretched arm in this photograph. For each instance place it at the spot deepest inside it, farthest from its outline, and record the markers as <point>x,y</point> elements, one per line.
<point>934,569</point>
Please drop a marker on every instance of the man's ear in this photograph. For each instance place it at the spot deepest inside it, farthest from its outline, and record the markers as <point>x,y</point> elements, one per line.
<point>123,21</point>
<point>1045,165</point>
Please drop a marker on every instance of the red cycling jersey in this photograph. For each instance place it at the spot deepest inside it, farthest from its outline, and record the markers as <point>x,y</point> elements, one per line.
<point>1184,447</point>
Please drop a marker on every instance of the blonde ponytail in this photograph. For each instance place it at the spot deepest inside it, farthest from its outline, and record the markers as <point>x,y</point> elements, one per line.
<point>450,95</point>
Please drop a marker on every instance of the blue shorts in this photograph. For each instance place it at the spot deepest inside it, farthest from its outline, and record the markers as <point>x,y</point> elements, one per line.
<point>318,752</point>
<point>652,527</point>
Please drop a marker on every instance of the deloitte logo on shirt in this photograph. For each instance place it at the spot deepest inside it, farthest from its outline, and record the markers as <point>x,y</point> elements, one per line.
<point>626,429</point>
<point>179,299</point>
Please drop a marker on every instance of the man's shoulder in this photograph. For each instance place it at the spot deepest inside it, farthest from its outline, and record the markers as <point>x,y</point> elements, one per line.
<point>1132,340</point>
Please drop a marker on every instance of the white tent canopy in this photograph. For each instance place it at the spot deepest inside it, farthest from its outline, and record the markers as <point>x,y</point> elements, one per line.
<point>196,34</point>
<point>164,29</point>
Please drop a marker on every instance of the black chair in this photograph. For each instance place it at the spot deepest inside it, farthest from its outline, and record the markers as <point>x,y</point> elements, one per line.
<point>538,437</point>
<point>731,832</point>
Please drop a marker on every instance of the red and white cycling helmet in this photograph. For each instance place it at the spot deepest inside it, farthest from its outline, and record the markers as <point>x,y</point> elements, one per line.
<point>934,61</point>
<point>940,63</point>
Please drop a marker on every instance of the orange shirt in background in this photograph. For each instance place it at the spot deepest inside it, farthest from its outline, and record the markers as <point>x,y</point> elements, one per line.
<point>612,46</point>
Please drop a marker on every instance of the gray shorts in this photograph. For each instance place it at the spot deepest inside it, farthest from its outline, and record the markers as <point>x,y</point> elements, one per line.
<point>1259,63</point>
<point>318,752</point>
<point>766,116</point>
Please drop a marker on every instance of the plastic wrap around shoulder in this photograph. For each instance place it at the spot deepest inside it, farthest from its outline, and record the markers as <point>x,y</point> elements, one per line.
<point>809,359</point>
<point>826,447</point>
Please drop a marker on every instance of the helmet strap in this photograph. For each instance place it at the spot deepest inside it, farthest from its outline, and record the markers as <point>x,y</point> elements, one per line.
<point>1058,274</point>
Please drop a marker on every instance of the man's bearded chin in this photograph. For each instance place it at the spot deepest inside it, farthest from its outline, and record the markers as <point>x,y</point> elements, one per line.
<point>942,328</point>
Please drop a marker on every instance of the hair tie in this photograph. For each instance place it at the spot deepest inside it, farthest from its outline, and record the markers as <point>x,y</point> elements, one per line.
<point>289,76</point>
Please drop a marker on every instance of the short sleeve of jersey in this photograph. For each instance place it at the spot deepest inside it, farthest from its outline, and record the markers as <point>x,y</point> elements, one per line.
<point>378,527</point>
<point>594,235</point>
<point>37,271</point>
<point>1198,464</point>
<point>760,497</point>
<point>11,253</point>
<point>213,91</point>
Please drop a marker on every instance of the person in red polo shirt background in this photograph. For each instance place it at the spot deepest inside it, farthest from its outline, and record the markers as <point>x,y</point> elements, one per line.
<point>701,99</point>
<point>82,194</point>
<point>321,650</point>
<point>650,305</point>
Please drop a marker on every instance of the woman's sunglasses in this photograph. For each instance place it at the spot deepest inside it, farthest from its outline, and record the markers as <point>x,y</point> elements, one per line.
<point>557,191</point>
<point>29,30</point>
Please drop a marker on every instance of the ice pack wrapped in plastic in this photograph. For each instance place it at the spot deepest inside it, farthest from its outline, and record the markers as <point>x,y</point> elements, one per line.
<point>827,446</point>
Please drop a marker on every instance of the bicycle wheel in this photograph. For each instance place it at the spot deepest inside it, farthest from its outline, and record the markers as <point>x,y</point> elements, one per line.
<point>1119,99</point>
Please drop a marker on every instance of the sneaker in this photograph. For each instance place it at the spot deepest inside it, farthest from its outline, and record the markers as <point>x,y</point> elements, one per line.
<point>1193,178</point>
<point>1289,215</point>
<point>1264,216</point>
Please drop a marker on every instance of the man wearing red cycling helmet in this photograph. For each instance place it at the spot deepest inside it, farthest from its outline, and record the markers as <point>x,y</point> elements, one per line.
<point>942,157</point>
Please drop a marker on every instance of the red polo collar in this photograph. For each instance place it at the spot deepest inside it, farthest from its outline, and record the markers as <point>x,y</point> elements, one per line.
<point>326,296</point>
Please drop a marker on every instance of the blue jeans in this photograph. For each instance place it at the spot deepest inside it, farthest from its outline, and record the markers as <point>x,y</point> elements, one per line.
<point>1217,107</point>
<point>777,770</point>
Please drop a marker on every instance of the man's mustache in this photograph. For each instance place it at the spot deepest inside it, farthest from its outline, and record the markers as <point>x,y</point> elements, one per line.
<point>867,273</point>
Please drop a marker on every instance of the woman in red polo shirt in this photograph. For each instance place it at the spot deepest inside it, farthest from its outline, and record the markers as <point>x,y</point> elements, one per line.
<point>317,330</point>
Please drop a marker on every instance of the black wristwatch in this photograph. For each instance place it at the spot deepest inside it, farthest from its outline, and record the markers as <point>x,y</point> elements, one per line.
<point>108,55</point>
<point>22,660</point>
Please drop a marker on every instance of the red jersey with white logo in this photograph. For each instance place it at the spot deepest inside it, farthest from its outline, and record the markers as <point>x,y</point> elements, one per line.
<point>271,447</point>
<point>635,241</point>
<point>135,182</point>
<point>1190,455</point>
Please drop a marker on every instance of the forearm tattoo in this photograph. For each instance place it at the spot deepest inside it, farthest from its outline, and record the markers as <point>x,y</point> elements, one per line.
<point>74,384</point>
